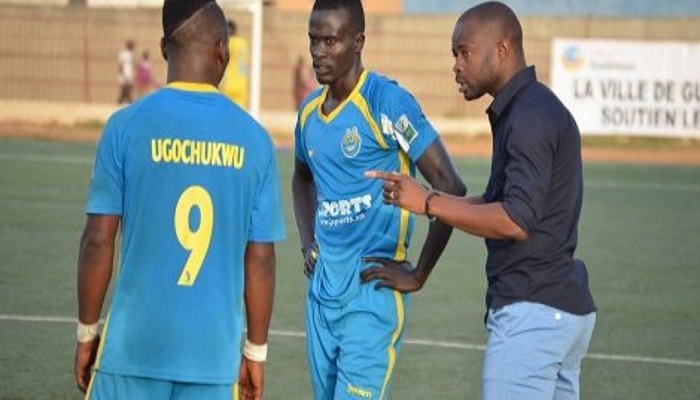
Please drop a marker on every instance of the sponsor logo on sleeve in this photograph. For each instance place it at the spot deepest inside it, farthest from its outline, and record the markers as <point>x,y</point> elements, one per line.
<point>405,132</point>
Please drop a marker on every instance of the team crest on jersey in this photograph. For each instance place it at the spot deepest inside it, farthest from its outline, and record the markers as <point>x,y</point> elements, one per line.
<point>352,141</point>
<point>405,132</point>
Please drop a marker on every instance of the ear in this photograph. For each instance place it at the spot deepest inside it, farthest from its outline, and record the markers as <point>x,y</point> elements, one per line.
<point>504,48</point>
<point>222,54</point>
<point>163,52</point>
<point>359,42</point>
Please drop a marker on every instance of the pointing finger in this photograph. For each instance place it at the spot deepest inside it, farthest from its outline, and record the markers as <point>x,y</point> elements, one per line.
<point>389,176</point>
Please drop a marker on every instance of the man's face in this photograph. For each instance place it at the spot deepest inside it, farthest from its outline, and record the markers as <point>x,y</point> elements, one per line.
<point>333,45</point>
<point>476,59</point>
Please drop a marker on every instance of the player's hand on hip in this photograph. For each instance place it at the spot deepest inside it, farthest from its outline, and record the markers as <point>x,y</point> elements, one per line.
<point>401,190</point>
<point>85,354</point>
<point>392,274</point>
<point>310,257</point>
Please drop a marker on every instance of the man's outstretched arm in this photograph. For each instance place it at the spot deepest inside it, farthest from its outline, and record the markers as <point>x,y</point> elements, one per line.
<point>437,168</point>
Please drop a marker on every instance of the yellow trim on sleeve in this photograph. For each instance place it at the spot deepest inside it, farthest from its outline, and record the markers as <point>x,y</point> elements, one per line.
<point>309,108</point>
<point>361,104</point>
<point>394,340</point>
<point>400,253</point>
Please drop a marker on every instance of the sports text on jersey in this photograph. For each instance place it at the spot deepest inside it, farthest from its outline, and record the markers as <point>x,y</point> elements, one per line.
<point>345,211</point>
<point>197,152</point>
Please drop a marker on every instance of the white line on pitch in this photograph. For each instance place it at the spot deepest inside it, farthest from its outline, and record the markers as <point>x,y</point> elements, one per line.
<point>417,342</point>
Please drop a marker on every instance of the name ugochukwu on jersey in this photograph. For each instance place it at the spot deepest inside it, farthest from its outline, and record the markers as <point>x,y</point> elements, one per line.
<point>379,126</point>
<point>194,180</point>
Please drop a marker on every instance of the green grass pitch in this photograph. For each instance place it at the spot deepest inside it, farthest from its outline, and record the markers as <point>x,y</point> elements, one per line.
<point>639,235</point>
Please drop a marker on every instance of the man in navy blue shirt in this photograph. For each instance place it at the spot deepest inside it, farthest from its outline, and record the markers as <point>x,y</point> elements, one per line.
<point>541,313</point>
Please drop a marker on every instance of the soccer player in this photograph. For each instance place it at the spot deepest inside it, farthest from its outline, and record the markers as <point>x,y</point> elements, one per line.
<point>540,311</point>
<point>358,120</point>
<point>192,182</point>
<point>235,81</point>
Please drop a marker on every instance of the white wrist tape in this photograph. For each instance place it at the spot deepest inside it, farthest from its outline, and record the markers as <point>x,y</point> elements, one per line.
<point>255,352</point>
<point>86,333</point>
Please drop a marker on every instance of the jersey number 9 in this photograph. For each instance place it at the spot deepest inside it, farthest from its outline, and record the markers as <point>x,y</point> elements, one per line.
<point>197,241</point>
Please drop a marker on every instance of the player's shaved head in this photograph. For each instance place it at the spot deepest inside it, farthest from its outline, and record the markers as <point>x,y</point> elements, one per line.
<point>187,22</point>
<point>500,22</point>
<point>356,12</point>
<point>195,40</point>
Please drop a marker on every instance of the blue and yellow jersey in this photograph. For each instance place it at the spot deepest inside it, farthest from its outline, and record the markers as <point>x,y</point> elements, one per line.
<point>379,126</point>
<point>194,179</point>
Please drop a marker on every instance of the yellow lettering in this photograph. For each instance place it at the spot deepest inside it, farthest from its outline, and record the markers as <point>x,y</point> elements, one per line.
<point>365,394</point>
<point>234,156</point>
<point>206,153</point>
<point>197,152</point>
<point>228,155</point>
<point>156,150</point>
<point>241,156</point>
<point>186,145</point>
<point>177,150</point>
<point>216,154</point>
<point>167,156</point>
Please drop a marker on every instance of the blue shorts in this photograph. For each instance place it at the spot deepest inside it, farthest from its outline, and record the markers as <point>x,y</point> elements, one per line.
<point>534,352</point>
<point>114,387</point>
<point>352,349</point>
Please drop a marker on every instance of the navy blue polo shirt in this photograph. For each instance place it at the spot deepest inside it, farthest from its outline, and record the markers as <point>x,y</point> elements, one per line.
<point>536,173</point>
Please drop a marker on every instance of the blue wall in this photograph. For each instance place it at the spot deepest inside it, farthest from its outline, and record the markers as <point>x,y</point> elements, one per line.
<point>571,8</point>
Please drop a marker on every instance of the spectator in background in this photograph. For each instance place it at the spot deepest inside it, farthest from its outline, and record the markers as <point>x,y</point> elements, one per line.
<point>304,81</point>
<point>235,81</point>
<point>145,82</point>
<point>126,73</point>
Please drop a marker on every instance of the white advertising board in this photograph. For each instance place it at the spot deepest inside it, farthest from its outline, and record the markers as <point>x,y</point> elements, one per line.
<point>640,88</point>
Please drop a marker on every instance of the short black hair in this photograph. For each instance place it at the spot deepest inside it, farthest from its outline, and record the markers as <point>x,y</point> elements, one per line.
<point>498,13</point>
<point>175,12</point>
<point>353,7</point>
